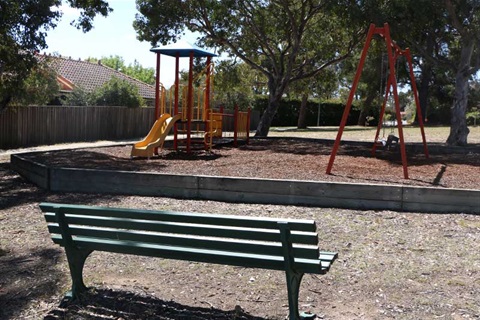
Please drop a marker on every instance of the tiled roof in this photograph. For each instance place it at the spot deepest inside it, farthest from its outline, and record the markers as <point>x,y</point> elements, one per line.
<point>90,76</point>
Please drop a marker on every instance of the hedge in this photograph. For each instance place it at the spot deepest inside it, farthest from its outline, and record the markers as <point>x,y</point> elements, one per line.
<point>287,113</point>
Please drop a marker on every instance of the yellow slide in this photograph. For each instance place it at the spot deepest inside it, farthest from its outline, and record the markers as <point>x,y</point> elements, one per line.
<point>155,137</point>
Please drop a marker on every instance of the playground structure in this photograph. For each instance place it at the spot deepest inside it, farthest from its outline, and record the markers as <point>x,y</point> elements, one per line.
<point>187,109</point>
<point>394,52</point>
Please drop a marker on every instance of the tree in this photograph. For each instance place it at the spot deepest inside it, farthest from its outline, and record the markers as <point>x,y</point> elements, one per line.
<point>451,30</point>
<point>39,88</point>
<point>78,97</point>
<point>23,27</point>
<point>371,89</point>
<point>285,40</point>
<point>116,62</point>
<point>444,37</point>
<point>426,37</point>
<point>321,87</point>
<point>236,83</point>
<point>464,17</point>
<point>135,70</point>
<point>117,92</point>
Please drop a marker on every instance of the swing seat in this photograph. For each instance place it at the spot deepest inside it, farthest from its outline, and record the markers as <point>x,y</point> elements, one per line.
<point>381,142</point>
<point>392,141</point>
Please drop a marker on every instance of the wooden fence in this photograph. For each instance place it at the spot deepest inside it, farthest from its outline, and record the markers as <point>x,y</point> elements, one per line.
<point>33,126</point>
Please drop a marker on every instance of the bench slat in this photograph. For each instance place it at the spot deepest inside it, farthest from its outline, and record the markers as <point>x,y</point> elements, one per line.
<point>237,245</point>
<point>288,245</point>
<point>187,229</point>
<point>200,218</point>
<point>200,255</point>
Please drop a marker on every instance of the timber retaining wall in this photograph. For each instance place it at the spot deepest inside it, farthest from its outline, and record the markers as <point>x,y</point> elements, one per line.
<point>250,190</point>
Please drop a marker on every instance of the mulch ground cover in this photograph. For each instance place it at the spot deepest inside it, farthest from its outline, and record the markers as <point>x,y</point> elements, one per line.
<point>299,159</point>
<point>391,265</point>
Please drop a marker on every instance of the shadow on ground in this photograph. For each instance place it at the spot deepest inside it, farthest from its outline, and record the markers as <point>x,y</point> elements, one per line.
<point>15,190</point>
<point>110,304</point>
<point>25,278</point>
<point>319,147</point>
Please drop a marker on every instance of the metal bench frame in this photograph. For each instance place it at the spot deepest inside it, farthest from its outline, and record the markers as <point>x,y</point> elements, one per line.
<point>289,245</point>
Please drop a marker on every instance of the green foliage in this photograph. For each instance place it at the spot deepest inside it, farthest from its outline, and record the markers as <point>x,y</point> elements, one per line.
<point>323,86</point>
<point>88,10</point>
<point>138,72</point>
<point>78,97</point>
<point>440,102</point>
<point>117,92</point>
<point>135,70</point>
<point>236,83</point>
<point>284,40</point>
<point>331,112</point>
<point>473,115</point>
<point>23,27</point>
<point>443,37</point>
<point>473,118</point>
<point>20,23</point>
<point>39,88</point>
<point>116,62</point>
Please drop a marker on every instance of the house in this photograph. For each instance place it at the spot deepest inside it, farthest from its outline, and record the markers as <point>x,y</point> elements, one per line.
<point>90,76</point>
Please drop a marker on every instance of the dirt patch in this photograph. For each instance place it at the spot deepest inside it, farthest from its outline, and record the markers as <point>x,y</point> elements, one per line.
<point>391,265</point>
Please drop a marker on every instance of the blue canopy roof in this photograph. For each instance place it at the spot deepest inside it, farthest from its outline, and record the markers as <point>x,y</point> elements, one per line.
<point>183,48</point>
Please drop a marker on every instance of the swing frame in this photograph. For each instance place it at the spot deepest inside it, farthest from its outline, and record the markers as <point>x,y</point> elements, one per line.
<point>393,53</point>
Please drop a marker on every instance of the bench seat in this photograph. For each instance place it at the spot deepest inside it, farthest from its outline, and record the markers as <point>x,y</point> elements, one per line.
<point>289,245</point>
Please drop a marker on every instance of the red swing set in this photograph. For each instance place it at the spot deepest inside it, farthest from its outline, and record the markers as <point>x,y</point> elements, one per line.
<point>393,53</point>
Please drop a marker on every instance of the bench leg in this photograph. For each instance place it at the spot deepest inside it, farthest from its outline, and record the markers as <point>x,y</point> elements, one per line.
<point>76,260</point>
<point>294,278</point>
<point>293,287</point>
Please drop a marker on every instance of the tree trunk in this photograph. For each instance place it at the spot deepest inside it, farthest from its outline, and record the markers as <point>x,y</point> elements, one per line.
<point>458,128</point>
<point>302,116</point>
<point>276,90</point>
<point>423,92</point>
<point>362,118</point>
<point>266,120</point>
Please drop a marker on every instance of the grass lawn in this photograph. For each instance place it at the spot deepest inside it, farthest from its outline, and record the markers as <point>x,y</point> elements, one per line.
<point>356,133</point>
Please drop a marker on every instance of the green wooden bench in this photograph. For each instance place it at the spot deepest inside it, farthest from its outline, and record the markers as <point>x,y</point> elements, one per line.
<point>289,245</point>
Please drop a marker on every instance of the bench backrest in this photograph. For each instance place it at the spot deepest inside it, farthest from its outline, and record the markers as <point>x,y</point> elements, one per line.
<point>225,239</point>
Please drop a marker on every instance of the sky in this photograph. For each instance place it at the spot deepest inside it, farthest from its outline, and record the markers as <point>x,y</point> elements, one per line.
<point>113,35</point>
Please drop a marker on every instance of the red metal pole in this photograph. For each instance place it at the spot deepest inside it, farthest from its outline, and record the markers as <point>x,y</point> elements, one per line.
<point>235,126</point>
<point>157,93</point>
<point>206,106</point>
<point>207,83</point>
<point>177,83</point>
<point>190,102</point>
<point>393,80</point>
<point>175,106</point>
<point>249,112</point>
<point>207,136</point>
<point>348,106</point>
<point>157,88</point>
<point>417,101</point>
